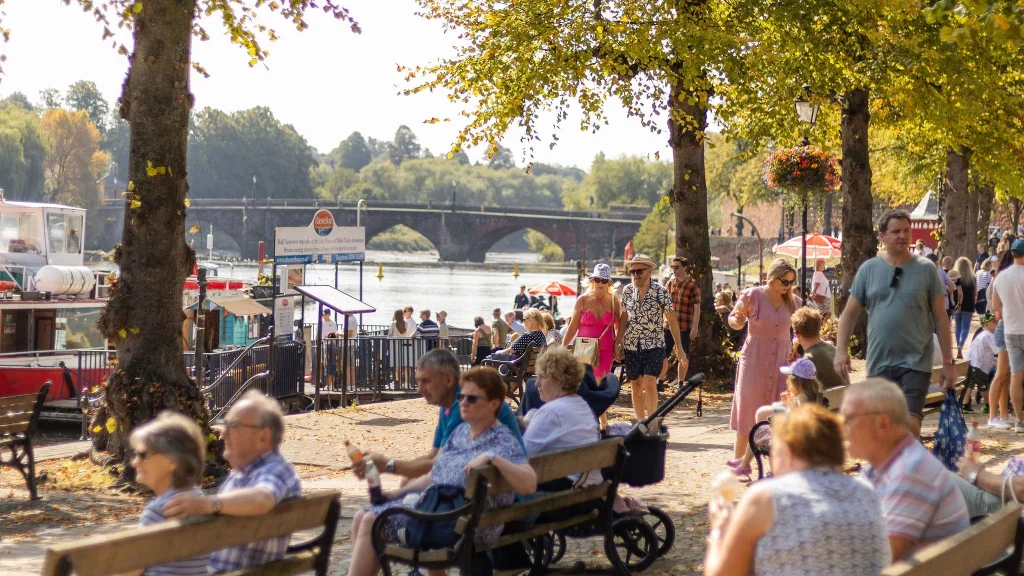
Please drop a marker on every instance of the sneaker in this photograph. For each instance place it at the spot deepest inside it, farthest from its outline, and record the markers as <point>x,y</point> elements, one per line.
<point>967,409</point>
<point>995,423</point>
<point>984,408</point>
<point>1019,427</point>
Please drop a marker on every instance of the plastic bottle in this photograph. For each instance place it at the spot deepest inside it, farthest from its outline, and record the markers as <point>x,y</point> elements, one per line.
<point>972,446</point>
<point>372,474</point>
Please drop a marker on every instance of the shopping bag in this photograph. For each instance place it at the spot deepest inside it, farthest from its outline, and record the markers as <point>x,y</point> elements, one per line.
<point>951,437</point>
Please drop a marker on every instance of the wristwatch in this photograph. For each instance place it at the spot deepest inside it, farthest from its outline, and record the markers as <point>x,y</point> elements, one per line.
<point>973,478</point>
<point>390,466</point>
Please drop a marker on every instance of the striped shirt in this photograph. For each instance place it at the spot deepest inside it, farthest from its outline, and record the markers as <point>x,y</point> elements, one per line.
<point>920,501</point>
<point>271,472</point>
<point>427,329</point>
<point>153,514</point>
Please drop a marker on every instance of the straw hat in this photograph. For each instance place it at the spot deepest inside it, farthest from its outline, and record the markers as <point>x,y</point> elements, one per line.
<point>642,259</point>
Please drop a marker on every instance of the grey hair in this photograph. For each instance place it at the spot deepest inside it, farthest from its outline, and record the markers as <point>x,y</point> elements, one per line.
<point>179,438</point>
<point>880,396</point>
<point>269,413</point>
<point>442,360</point>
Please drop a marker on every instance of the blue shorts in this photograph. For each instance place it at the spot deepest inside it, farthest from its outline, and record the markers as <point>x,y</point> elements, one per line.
<point>1000,337</point>
<point>641,363</point>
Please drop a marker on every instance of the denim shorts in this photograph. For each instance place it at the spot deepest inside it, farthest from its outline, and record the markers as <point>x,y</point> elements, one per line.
<point>1015,350</point>
<point>1000,339</point>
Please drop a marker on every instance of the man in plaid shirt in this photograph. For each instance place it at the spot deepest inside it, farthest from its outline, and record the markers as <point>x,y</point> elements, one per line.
<point>685,294</point>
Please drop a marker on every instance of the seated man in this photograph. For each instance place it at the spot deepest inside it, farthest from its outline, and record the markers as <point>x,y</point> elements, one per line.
<point>983,490</point>
<point>260,478</point>
<point>807,326</point>
<point>437,379</point>
<point>920,501</point>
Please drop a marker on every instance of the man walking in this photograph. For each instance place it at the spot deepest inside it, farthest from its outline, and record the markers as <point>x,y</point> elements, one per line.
<point>522,300</point>
<point>906,303</point>
<point>499,331</point>
<point>1008,304</point>
<point>685,294</point>
<point>640,338</point>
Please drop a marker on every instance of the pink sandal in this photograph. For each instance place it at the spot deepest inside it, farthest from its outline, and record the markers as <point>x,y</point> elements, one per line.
<point>734,463</point>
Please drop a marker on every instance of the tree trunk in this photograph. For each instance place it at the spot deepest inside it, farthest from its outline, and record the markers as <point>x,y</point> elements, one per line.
<point>860,242</point>
<point>973,232</point>
<point>958,238</point>
<point>986,196</point>
<point>689,200</point>
<point>144,314</point>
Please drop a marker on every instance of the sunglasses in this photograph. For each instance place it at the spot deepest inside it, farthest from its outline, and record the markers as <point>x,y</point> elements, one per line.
<point>637,271</point>
<point>895,282</point>
<point>601,281</point>
<point>469,398</point>
<point>787,283</point>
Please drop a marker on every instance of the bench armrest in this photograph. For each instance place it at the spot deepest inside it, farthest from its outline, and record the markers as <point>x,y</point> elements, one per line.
<point>378,523</point>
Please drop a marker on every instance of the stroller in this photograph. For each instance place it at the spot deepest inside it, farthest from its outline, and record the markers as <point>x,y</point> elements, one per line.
<point>640,537</point>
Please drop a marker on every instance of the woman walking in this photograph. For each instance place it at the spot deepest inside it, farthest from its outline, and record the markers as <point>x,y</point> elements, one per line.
<point>982,279</point>
<point>966,297</point>
<point>766,311</point>
<point>999,388</point>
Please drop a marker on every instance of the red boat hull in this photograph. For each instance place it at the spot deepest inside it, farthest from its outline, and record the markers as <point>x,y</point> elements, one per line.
<point>17,380</point>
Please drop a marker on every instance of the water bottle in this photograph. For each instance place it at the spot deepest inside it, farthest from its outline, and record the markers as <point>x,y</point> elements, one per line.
<point>973,444</point>
<point>372,474</point>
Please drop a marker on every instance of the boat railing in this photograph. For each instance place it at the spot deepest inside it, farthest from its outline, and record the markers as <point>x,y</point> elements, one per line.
<point>10,269</point>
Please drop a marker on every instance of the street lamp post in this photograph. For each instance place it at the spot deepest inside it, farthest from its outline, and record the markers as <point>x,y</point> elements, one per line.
<point>808,114</point>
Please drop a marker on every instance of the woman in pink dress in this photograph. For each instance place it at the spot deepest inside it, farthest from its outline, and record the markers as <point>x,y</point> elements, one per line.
<point>594,316</point>
<point>767,311</point>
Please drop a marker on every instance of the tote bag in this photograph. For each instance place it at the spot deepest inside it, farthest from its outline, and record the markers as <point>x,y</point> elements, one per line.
<point>951,437</point>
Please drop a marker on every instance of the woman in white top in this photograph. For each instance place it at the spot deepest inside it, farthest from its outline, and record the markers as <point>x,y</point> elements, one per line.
<point>401,351</point>
<point>820,291</point>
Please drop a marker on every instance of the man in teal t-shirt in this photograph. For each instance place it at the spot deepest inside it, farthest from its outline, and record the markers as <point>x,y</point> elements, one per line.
<point>906,302</point>
<point>437,379</point>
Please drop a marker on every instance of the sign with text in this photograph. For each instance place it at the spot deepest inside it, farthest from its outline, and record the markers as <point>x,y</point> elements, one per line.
<point>284,318</point>
<point>322,242</point>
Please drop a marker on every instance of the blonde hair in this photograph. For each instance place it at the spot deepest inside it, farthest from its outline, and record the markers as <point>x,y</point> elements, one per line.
<point>809,387</point>
<point>535,315</point>
<point>779,268</point>
<point>549,321</point>
<point>813,435</point>
<point>559,364</point>
<point>819,264</point>
<point>966,269</point>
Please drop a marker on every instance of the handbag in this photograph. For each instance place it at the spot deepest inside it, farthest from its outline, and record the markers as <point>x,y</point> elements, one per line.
<point>427,535</point>
<point>587,350</point>
<point>951,436</point>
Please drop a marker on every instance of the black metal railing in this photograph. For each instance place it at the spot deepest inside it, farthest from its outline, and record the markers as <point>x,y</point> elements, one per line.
<point>289,369</point>
<point>379,364</point>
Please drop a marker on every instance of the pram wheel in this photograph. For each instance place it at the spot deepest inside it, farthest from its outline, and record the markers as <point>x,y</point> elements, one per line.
<point>557,547</point>
<point>633,546</point>
<point>663,527</point>
<point>545,544</point>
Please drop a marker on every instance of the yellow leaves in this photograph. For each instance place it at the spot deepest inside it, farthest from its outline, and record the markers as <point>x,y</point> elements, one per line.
<point>96,429</point>
<point>137,8</point>
<point>111,425</point>
<point>253,62</point>
<point>135,203</point>
<point>194,229</point>
<point>131,186</point>
<point>133,330</point>
<point>187,202</point>
<point>122,333</point>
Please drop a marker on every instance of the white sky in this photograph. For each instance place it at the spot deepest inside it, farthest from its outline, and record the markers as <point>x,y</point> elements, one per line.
<point>326,81</point>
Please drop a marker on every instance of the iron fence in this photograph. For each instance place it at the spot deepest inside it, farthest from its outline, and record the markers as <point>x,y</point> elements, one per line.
<point>377,364</point>
<point>289,369</point>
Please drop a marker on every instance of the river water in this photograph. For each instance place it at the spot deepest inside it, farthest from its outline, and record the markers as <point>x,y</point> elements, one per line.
<point>462,289</point>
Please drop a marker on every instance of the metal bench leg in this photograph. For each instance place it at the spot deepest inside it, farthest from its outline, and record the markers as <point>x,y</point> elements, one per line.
<point>31,478</point>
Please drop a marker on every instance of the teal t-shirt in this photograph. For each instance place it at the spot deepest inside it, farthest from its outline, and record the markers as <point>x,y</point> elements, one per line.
<point>900,325</point>
<point>450,418</point>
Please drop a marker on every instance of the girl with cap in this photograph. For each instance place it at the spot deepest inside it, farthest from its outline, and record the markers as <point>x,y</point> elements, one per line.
<point>596,315</point>
<point>982,355</point>
<point>801,386</point>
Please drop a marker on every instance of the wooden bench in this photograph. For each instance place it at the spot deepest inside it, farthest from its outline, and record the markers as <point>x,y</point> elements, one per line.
<point>140,548</point>
<point>516,372</point>
<point>980,550</point>
<point>486,480</point>
<point>18,418</point>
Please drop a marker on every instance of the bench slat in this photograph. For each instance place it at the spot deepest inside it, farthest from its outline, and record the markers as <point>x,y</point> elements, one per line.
<point>18,407</point>
<point>19,418</point>
<point>14,428</point>
<point>541,504</point>
<point>9,401</point>
<point>138,548</point>
<point>555,465</point>
<point>965,552</point>
<point>539,530</point>
<point>404,553</point>
<point>293,564</point>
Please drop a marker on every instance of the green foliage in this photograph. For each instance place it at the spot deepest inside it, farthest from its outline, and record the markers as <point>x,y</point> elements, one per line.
<point>655,233</point>
<point>75,163</point>
<point>19,99</point>
<point>401,239</point>
<point>353,153</point>
<point>227,150</point>
<point>84,95</point>
<point>115,142</point>
<point>734,171</point>
<point>23,152</point>
<point>405,146</point>
<point>541,244</point>
<point>50,98</point>
<point>802,170</point>
<point>501,159</point>
<point>625,180</point>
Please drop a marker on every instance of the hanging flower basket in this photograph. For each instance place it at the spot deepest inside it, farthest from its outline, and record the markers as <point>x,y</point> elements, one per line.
<point>801,170</point>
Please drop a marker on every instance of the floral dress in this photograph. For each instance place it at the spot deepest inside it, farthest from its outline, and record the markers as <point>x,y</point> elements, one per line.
<point>449,470</point>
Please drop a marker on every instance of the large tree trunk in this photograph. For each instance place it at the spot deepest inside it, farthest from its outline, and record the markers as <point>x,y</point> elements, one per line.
<point>689,200</point>
<point>860,242</point>
<point>986,196</point>
<point>973,200</point>
<point>144,314</point>
<point>958,238</point>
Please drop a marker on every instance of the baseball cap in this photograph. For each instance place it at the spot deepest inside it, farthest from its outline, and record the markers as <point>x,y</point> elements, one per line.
<point>1018,247</point>
<point>801,368</point>
<point>986,318</point>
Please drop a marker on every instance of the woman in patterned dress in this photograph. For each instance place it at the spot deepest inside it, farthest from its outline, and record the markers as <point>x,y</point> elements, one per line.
<point>766,311</point>
<point>480,439</point>
<point>810,518</point>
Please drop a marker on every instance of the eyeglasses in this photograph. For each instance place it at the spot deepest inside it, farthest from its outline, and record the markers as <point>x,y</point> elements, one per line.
<point>637,271</point>
<point>601,281</point>
<point>895,282</point>
<point>849,418</point>
<point>787,283</point>
<point>469,398</point>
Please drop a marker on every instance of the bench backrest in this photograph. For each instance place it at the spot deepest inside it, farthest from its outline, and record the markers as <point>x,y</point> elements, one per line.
<point>139,548</point>
<point>531,360</point>
<point>960,371</point>
<point>20,413</point>
<point>966,552</point>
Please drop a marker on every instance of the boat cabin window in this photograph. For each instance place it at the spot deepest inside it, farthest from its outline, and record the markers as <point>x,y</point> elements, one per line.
<point>64,233</point>
<point>20,232</point>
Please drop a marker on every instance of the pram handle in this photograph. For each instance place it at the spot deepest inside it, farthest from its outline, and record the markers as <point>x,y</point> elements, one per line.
<point>685,388</point>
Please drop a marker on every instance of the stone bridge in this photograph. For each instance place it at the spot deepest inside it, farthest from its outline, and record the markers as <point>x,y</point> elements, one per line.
<point>459,232</point>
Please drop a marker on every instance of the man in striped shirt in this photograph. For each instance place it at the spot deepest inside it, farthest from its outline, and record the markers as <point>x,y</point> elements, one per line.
<point>920,501</point>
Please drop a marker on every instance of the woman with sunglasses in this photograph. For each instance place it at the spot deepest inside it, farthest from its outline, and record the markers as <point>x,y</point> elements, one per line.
<point>766,311</point>
<point>170,454</point>
<point>480,439</point>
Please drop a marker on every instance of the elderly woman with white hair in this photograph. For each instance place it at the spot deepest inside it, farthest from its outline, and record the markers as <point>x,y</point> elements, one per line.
<point>169,455</point>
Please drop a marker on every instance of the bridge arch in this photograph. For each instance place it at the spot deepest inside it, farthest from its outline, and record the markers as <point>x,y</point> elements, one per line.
<point>486,242</point>
<point>424,229</point>
<point>420,242</point>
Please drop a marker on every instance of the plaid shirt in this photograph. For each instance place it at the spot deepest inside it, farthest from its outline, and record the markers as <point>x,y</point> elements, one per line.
<point>272,472</point>
<point>685,299</point>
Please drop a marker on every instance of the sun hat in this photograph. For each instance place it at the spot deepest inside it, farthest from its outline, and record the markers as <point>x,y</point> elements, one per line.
<point>642,259</point>
<point>801,368</point>
<point>602,271</point>
<point>986,318</point>
<point>953,275</point>
<point>1018,247</point>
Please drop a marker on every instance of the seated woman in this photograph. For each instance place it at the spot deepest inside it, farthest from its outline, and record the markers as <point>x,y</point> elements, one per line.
<point>801,386</point>
<point>810,518</point>
<point>551,335</point>
<point>534,336</point>
<point>480,439</point>
<point>170,453</point>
